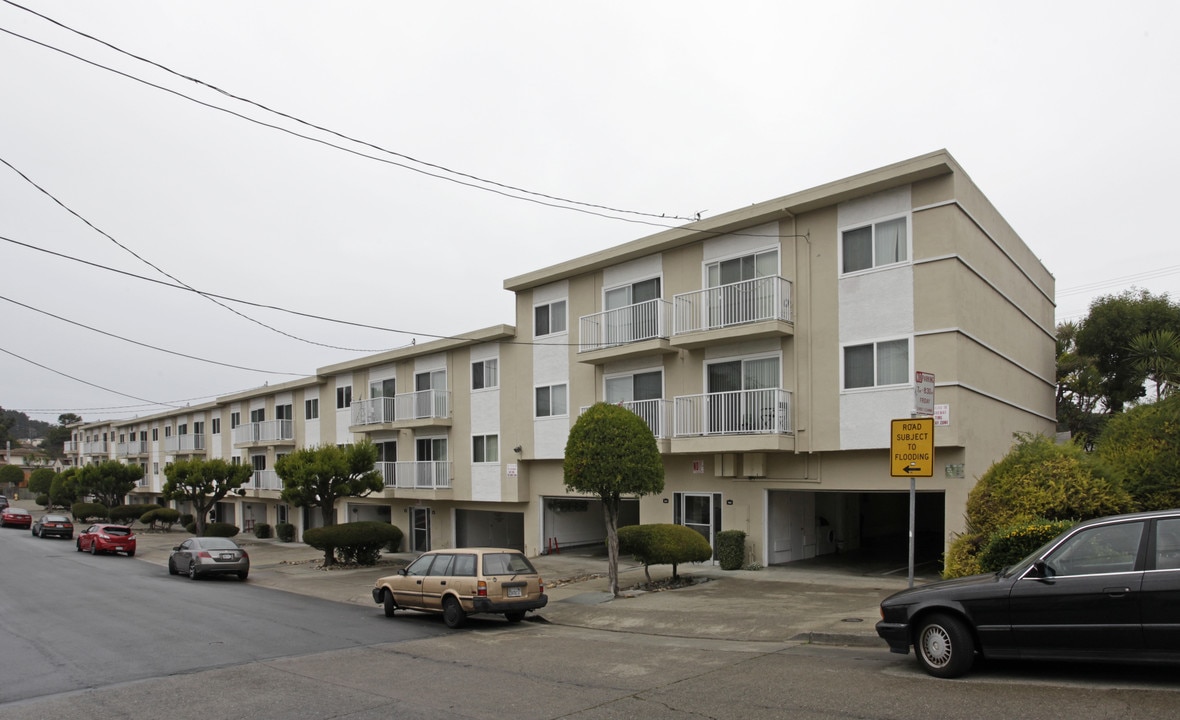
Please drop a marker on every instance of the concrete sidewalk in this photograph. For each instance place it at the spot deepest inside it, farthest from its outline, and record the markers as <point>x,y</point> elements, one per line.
<point>777,604</point>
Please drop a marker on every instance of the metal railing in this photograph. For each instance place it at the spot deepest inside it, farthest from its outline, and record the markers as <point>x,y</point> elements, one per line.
<point>641,321</point>
<point>417,474</point>
<point>135,447</point>
<point>656,413</point>
<point>95,447</point>
<point>265,480</point>
<point>749,301</point>
<point>423,404</point>
<point>267,431</point>
<point>740,412</point>
<point>184,443</point>
<point>70,447</point>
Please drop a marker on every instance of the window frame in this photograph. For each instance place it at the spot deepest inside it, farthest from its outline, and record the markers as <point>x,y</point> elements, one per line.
<point>549,389</point>
<point>215,426</point>
<point>311,409</point>
<point>874,262</point>
<point>550,315</point>
<point>487,367</point>
<point>344,397</point>
<point>907,376</point>
<point>479,448</point>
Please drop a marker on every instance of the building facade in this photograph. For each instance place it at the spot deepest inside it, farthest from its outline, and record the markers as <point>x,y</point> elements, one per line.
<point>768,349</point>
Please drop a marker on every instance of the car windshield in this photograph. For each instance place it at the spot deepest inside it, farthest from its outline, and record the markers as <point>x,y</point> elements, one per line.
<point>17,511</point>
<point>218,544</point>
<point>506,563</point>
<point>117,530</point>
<point>55,518</point>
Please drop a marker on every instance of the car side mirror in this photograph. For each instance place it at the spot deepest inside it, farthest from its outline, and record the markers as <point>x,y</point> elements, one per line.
<point>1041,570</point>
<point>176,549</point>
<point>402,572</point>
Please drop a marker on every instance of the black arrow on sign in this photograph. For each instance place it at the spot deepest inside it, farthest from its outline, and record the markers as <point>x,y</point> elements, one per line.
<point>911,468</point>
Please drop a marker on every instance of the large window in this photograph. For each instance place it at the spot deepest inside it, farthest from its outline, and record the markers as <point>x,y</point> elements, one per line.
<point>876,364</point>
<point>344,397</point>
<point>549,318</point>
<point>258,415</point>
<point>383,388</point>
<point>551,401</point>
<point>883,243</point>
<point>747,267</point>
<point>283,412</point>
<point>198,427</point>
<point>485,374</point>
<point>485,448</point>
<point>235,419</point>
<point>311,409</point>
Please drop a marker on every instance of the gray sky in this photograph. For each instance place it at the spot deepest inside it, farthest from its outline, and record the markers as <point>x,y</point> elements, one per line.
<point>1063,113</point>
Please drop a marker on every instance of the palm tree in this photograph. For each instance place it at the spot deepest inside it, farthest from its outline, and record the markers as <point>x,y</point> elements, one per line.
<point>1156,354</point>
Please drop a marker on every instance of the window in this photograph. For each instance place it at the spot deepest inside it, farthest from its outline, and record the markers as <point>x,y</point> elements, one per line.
<point>235,460</point>
<point>343,397</point>
<point>551,401</point>
<point>155,468</point>
<point>311,409</point>
<point>1097,550</point>
<point>386,451</point>
<point>485,448</point>
<point>876,364</point>
<point>259,462</point>
<point>155,434</point>
<point>216,426</point>
<point>235,419</point>
<point>258,415</point>
<point>485,374</point>
<point>383,388</point>
<point>143,435</point>
<point>883,243</point>
<point>1167,544</point>
<point>747,267</point>
<point>199,427</point>
<point>182,429</point>
<point>122,437</point>
<point>549,319</point>
<point>283,412</point>
<point>167,431</point>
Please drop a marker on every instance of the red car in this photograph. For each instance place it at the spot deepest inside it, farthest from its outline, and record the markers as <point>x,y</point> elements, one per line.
<point>104,537</point>
<point>15,517</point>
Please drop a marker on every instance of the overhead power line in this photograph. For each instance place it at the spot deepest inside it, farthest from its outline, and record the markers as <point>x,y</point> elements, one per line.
<point>87,382</point>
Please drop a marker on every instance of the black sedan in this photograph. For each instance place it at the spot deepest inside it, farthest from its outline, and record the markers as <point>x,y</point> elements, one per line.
<point>199,557</point>
<point>1107,589</point>
<point>51,525</point>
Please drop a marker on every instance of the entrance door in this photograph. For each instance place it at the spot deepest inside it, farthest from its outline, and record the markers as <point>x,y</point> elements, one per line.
<point>420,529</point>
<point>699,511</point>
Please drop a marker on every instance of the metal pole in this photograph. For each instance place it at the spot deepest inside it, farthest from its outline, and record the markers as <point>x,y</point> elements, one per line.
<point>913,482</point>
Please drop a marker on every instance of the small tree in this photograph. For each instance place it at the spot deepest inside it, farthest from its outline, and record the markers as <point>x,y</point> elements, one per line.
<point>1142,448</point>
<point>11,476</point>
<point>41,481</point>
<point>63,491</point>
<point>109,481</point>
<point>204,483</point>
<point>664,544</point>
<point>319,476</point>
<point>611,452</point>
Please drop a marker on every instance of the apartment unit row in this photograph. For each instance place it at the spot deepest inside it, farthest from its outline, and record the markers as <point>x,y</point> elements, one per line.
<point>768,349</point>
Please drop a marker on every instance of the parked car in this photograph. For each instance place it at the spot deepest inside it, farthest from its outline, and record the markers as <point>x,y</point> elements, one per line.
<point>15,517</point>
<point>3,502</point>
<point>201,556</point>
<point>1104,590</point>
<point>51,525</point>
<point>104,537</point>
<point>462,582</point>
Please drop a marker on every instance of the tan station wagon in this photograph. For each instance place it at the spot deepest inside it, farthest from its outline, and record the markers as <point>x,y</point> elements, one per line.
<point>463,582</point>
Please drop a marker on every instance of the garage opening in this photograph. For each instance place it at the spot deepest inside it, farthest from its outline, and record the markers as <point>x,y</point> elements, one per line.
<point>571,522</point>
<point>488,528</point>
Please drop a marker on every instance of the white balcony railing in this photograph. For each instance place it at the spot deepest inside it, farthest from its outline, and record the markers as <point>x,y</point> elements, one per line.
<point>95,447</point>
<point>184,443</point>
<point>267,431</point>
<point>749,301</point>
<point>417,475</point>
<point>71,447</point>
<point>611,328</point>
<point>265,480</point>
<point>740,412</point>
<point>656,413</point>
<point>135,447</point>
<point>421,405</point>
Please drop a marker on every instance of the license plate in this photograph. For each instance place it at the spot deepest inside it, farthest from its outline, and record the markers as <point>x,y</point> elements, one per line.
<point>119,548</point>
<point>514,592</point>
<point>227,556</point>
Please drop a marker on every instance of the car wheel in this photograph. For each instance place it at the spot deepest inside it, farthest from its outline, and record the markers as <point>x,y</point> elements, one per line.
<point>192,571</point>
<point>390,604</point>
<point>172,568</point>
<point>453,614</point>
<point>244,574</point>
<point>78,544</point>
<point>944,646</point>
<point>93,547</point>
<point>514,616</point>
<point>33,532</point>
<point>130,553</point>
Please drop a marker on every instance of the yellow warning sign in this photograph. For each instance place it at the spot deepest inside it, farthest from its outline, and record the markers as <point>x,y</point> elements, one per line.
<point>911,447</point>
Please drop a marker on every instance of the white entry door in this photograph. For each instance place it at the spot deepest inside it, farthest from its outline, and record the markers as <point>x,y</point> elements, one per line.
<point>701,512</point>
<point>420,532</point>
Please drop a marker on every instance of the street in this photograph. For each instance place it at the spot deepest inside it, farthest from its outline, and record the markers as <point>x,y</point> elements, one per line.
<point>111,636</point>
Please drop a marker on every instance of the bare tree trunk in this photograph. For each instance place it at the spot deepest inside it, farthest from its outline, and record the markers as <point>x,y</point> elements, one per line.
<point>328,514</point>
<point>612,545</point>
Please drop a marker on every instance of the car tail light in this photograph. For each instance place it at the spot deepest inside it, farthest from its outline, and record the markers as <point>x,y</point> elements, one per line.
<point>205,554</point>
<point>541,585</point>
<point>481,588</point>
<point>245,555</point>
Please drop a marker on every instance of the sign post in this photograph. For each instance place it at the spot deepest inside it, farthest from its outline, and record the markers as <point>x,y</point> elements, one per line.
<point>911,454</point>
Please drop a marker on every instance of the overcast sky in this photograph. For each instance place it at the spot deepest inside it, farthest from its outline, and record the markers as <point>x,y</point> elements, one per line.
<point>1064,114</point>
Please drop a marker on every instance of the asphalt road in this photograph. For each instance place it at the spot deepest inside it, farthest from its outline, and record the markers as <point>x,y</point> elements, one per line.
<point>136,643</point>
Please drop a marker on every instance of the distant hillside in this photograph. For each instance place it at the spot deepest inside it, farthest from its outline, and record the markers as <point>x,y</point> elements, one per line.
<point>21,426</point>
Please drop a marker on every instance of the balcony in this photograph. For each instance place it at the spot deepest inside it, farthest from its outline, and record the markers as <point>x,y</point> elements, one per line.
<point>264,480</point>
<point>262,433</point>
<point>631,331</point>
<point>417,475</point>
<point>656,413</point>
<point>184,444</point>
<point>135,447</point>
<point>740,311</point>
<point>416,409</point>
<point>740,412</point>
<point>95,447</point>
<point>70,447</point>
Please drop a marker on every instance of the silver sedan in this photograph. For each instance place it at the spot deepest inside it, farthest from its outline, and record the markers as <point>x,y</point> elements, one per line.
<point>201,556</point>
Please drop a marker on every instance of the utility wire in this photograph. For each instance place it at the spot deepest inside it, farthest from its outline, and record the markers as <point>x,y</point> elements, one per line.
<point>146,345</point>
<point>166,274</point>
<point>86,382</point>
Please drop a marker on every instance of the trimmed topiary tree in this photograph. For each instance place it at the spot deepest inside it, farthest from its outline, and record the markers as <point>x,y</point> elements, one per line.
<point>89,512</point>
<point>220,529</point>
<point>161,518</point>
<point>358,542</point>
<point>261,531</point>
<point>663,544</point>
<point>731,549</point>
<point>285,532</point>
<point>130,513</point>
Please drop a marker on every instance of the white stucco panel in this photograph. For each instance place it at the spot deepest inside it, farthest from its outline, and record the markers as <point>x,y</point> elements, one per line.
<point>877,305</point>
<point>629,272</point>
<point>750,239</point>
<point>485,412</point>
<point>549,437</point>
<point>865,416</point>
<point>874,207</point>
<point>485,482</point>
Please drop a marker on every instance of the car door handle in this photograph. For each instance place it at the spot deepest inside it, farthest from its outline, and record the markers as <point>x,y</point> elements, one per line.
<point>1116,591</point>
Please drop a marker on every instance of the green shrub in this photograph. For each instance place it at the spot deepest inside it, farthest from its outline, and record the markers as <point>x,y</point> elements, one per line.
<point>220,529</point>
<point>962,558</point>
<point>129,513</point>
<point>1011,544</point>
<point>160,518</point>
<point>358,542</point>
<point>43,501</point>
<point>261,531</point>
<point>663,544</point>
<point>731,549</point>
<point>395,545</point>
<point>187,519</point>
<point>190,527</point>
<point>88,512</point>
<point>285,532</point>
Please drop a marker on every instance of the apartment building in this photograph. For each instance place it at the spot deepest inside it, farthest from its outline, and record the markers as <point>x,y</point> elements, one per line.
<point>767,348</point>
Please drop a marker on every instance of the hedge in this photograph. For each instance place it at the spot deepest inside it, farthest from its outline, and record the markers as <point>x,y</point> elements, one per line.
<point>731,549</point>
<point>285,532</point>
<point>129,513</point>
<point>161,516</point>
<point>261,531</point>
<point>357,542</point>
<point>1012,543</point>
<point>663,544</point>
<point>220,529</point>
<point>88,512</point>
